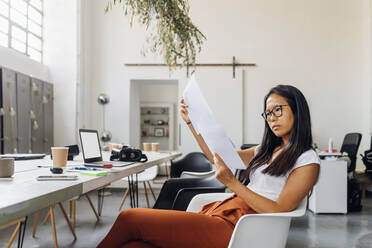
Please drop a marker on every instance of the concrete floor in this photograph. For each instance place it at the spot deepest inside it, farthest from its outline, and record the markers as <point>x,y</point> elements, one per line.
<point>325,230</point>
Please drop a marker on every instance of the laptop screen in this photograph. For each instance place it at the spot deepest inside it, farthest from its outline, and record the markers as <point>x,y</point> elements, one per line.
<point>90,144</point>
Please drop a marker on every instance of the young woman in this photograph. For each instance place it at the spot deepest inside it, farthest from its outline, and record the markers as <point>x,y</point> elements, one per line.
<point>282,170</point>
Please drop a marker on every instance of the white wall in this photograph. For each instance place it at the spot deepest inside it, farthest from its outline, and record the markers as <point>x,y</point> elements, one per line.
<point>321,47</point>
<point>61,57</point>
<point>19,62</point>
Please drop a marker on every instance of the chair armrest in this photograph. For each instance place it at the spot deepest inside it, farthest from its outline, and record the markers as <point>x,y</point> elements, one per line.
<point>184,196</point>
<point>190,174</point>
<point>199,201</point>
<point>277,224</point>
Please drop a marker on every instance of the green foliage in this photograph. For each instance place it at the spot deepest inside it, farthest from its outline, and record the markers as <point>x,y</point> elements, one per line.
<point>175,37</point>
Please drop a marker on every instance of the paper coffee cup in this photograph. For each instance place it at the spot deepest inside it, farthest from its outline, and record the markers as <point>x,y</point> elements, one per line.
<point>59,155</point>
<point>115,146</point>
<point>147,147</point>
<point>155,147</point>
<point>6,167</point>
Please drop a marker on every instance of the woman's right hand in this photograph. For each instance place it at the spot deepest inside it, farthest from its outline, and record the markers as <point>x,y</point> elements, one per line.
<point>183,111</point>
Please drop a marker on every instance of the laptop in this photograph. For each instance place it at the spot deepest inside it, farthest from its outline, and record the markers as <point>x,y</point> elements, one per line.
<point>92,154</point>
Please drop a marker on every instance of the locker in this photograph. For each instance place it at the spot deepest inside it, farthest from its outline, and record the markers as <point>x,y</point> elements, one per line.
<point>37,116</point>
<point>9,109</point>
<point>1,113</point>
<point>23,113</point>
<point>48,116</point>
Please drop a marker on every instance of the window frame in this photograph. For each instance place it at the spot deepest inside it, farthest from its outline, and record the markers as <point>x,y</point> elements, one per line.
<point>26,29</point>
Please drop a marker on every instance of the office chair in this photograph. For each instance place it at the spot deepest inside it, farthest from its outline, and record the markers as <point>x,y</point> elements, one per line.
<point>176,193</point>
<point>350,145</point>
<point>252,229</point>
<point>195,162</point>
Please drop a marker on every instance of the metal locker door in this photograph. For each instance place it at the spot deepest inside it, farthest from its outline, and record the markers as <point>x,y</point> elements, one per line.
<point>23,110</point>
<point>9,107</point>
<point>37,114</point>
<point>48,116</point>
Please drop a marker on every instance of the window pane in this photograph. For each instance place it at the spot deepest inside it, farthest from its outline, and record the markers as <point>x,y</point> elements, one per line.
<point>19,5</point>
<point>18,17</point>
<point>34,28</point>
<point>3,40</point>
<point>4,25</point>
<point>34,41</point>
<point>34,15</point>
<point>4,9</point>
<point>36,55</point>
<point>18,46</point>
<point>19,34</point>
<point>37,4</point>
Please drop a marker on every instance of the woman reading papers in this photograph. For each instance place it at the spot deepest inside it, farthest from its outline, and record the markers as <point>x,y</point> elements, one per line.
<point>281,171</point>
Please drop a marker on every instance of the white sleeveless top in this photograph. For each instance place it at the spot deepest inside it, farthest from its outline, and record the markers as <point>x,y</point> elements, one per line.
<point>271,186</point>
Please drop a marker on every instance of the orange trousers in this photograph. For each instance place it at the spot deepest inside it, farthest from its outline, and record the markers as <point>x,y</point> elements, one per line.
<point>148,228</point>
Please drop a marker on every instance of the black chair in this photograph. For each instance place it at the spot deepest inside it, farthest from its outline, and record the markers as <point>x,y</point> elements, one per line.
<point>192,162</point>
<point>350,145</point>
<point>247,146</point>
<point>177,193</point>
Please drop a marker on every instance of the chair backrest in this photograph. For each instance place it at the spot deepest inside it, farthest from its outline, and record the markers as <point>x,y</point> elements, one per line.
<point>350,145</point>
<point>193,162</point>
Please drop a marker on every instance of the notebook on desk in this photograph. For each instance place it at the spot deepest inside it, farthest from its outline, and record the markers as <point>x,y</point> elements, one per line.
<point>92,153</point>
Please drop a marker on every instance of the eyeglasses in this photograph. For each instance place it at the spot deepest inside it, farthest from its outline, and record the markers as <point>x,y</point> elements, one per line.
<point>276,111</point>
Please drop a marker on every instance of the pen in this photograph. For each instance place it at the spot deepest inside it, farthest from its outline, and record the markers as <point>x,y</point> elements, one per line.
<point>44,166</point>
<point>85,168</point>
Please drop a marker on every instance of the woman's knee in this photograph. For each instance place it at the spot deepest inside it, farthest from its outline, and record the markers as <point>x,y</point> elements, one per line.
<point>133,215</point>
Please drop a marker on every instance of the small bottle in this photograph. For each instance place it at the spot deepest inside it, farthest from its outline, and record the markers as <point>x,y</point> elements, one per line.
<point>330,145</point>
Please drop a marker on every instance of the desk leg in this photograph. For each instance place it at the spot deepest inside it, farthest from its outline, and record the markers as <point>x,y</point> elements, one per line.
<point>92,206</point>
<point>67,220</point>
<point>131,192</point>
<point>137,190</point>
<point>101,195</point>
<point>52,221</point>
<point>21,234</point>
<point>36,220</point>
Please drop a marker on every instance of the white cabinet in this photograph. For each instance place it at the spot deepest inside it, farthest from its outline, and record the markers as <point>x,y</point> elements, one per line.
<point>157,125</point>
<point>330,192</point>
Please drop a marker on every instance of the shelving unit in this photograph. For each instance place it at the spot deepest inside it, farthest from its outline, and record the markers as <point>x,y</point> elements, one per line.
<point>157,125</point>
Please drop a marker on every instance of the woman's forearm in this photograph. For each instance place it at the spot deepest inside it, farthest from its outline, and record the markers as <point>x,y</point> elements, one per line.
<point>203,146</point>
<point>257,202</point>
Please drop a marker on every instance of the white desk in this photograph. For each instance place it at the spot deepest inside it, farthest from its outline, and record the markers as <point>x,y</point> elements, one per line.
<point>25,195</point>
<point>330,193</point>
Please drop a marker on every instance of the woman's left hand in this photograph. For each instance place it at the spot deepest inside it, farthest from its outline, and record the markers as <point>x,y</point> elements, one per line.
<point>223,173</point>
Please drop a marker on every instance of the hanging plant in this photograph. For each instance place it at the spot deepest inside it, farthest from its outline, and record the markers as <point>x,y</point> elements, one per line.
<point>174,37</point>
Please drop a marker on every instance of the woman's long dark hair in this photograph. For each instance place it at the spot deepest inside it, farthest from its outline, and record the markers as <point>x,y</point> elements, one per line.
<point>300,137</point>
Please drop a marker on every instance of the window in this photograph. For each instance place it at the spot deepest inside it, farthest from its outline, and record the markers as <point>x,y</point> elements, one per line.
<point>21,25</point>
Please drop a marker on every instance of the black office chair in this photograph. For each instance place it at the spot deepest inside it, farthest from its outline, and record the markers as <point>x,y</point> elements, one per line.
<point>192,162</point>
<point>247,146</point>
<point>177,193</point>
<point>350,145</point>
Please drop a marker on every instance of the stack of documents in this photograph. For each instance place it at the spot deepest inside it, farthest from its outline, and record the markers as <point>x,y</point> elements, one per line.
<point>205,124</point>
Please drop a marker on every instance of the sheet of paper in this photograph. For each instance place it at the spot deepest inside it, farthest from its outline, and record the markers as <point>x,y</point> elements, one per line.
<point>205,124</point>
<point>219,142</point>
<point>199,112</point>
